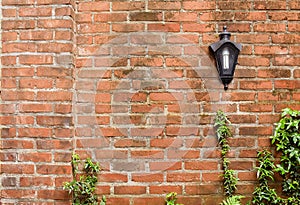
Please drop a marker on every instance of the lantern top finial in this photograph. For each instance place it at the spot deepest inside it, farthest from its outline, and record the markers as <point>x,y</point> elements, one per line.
<point>225,34</point>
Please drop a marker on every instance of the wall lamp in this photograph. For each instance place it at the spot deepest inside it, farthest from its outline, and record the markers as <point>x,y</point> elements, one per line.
<point>226,54</point>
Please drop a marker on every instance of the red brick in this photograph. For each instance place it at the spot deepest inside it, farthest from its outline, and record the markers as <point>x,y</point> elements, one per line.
<point>212,177</point>
<point>133,190</point>
<point>239,96</point>
<point>251,16</point>
<point>199,5</point>
<point>183,177</point>
<point>18,2</point>
<point>157,62</point>
<point>63,108</point>
<point>202,189</point>
<point>183,154</point>
<point>110,177</point>
<point>54,47</point>
<point>16,144</point>
<point>9,182</point>
<point>7,108</point>
<point>182,131</point>
<point>35,157</point>
<point>257,61</point>
<point>166,27</point>
<point>54,144</point>
<point>266,130</point>
<point>54,120</point>
<point>286,61</point>
<point>287,84</point>
<point>297,73</point>
<point>34,12</point>
<point>51,169</point>
<point>9,12</point>
<point>9,36</point>
<point>116,200</point>
<point>164,189</point>
<point>164,143</point>
<point>197,27</point>
<point>54,96</point>
<point>146,200</point>
<point>128,6</point>
<point>93,28</point>
<point>285,38</point>
<point>293,27</point>
<point>35,59</point>
<point>158,5</point>
<point>17,95</point>
<point>145,16</point>
<point>34,132</point>
<point>294,4</point>
<point>35,83</point>
<point>8,60</point>
<point>241,165</point>
<point>161,165</point>
<point>224,5</point>
<point>147,154</point>
<point>105,17</point>
<point>112,132</point>
<point>19,24</point>
<point>14,193</point>
<point>55,23</point>
<point>130,143</point>
<point>280,16</point>
<point>53,2</point>
<point>63,35</point>
<point>147,177</point>
<point>274,73</point>
<point>253,38</point>
<point>35,181</point>
<point>267,50</point>
<point>180,16</point>
<point>52,194</point>
<point>201,165</point>
<point>124,27</point>
<point>36,35</point>
<point>8,83</point>
<point>17,169</point>
<point>52,71</point>
<point>93,6</point>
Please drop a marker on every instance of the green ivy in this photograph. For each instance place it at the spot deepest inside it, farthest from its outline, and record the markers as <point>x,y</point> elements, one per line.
<point>233,200</point>
<point>286,138</point>
<point>171,199</point>
<point>223,133</point>
<point>263,194</point>
<point>82,187</point>
<point>229,176</point>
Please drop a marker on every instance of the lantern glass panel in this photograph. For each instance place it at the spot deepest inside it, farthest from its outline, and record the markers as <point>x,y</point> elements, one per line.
<point>225,54</point>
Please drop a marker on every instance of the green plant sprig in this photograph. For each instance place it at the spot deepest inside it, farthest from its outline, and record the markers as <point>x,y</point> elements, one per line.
<point>171,199</point>
<point>223,133</point>
<point>263,194</point>
<point>286,138</point>
<point>83,186</point>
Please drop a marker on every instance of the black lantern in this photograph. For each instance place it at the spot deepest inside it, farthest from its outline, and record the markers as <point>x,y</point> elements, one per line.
<point>226,54</point>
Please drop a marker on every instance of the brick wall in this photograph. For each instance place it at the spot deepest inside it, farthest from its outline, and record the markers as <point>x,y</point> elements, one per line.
<point>131,84</point>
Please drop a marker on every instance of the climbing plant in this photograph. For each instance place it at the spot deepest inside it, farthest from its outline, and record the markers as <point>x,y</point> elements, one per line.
<point>263,194</point>
<point>229,176</point>
<point>82,187</point>
<point>286,138</point>
<point>171,199</point>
